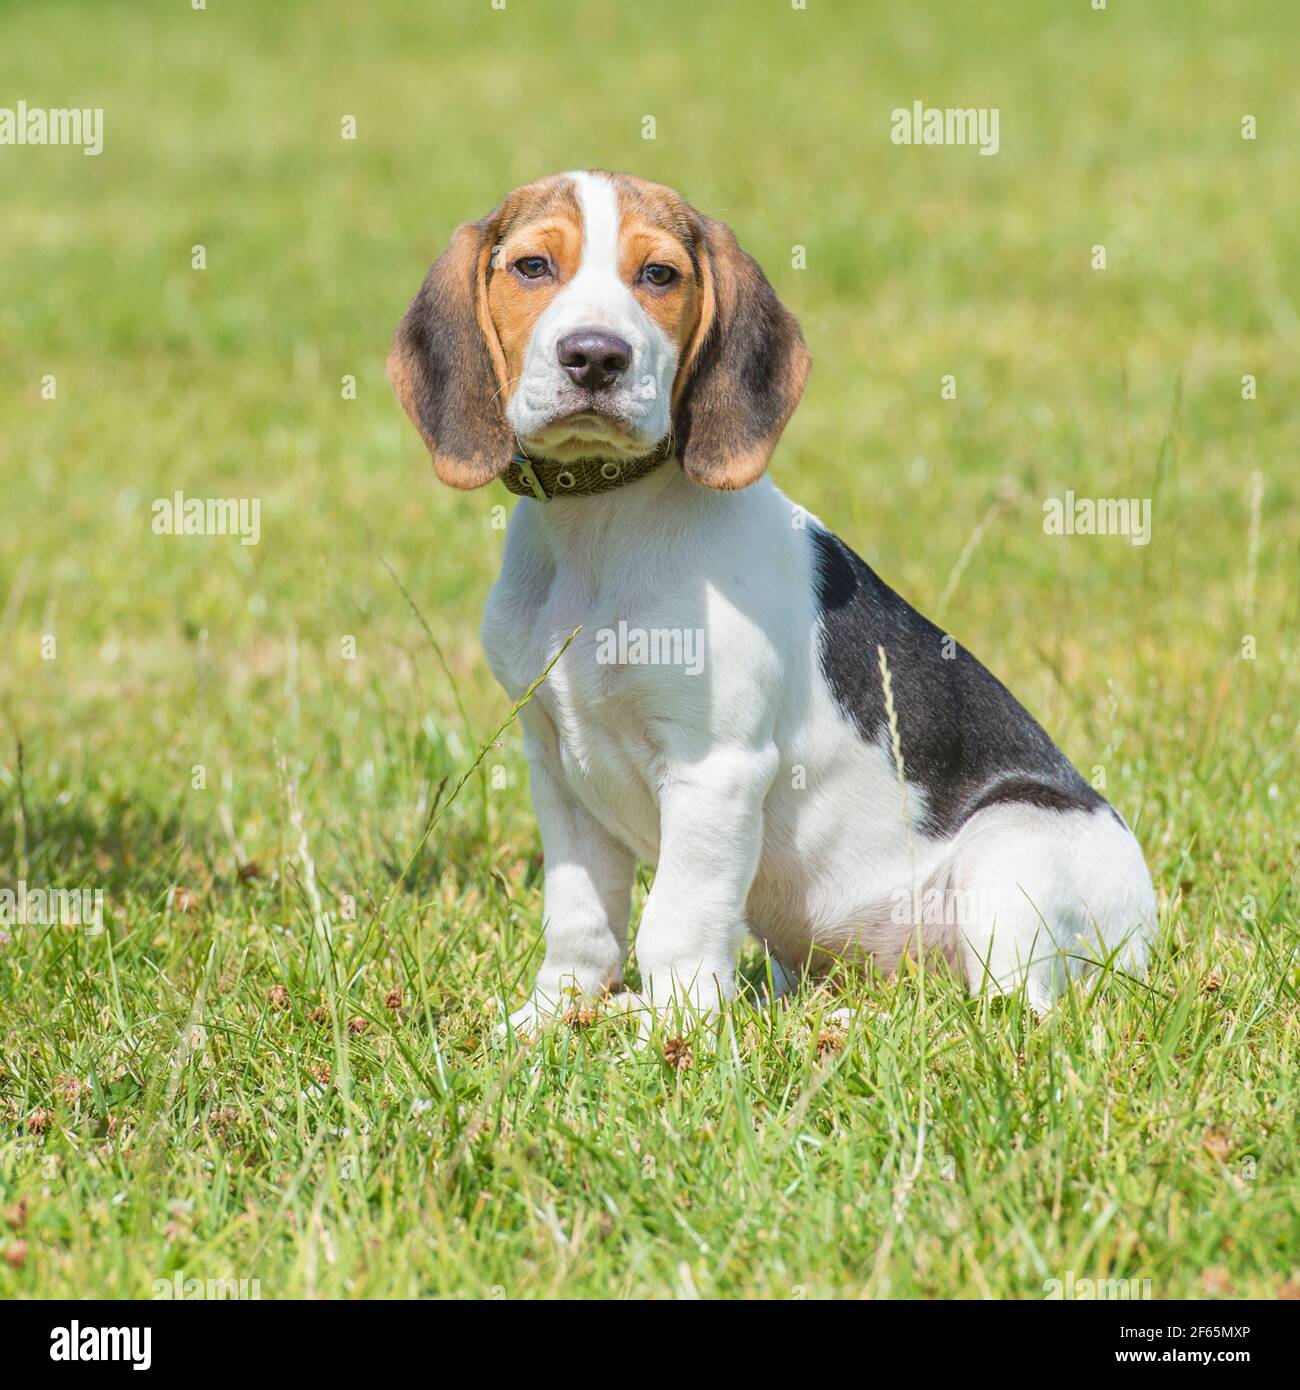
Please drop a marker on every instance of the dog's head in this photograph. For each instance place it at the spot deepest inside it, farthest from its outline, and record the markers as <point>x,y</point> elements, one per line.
<point>590,316</point>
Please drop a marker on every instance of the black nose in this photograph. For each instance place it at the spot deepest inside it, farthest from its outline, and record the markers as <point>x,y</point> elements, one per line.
<point>593,360</point>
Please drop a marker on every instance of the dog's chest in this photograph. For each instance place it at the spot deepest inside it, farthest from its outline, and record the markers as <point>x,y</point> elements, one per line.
<point>595,711</point>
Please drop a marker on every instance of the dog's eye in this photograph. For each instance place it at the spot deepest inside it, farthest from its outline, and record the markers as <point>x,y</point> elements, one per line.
<point>659,275</point>
<point>532,267</point>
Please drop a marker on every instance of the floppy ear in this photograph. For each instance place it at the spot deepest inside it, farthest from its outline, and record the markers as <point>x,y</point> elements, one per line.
<point>745,368</point>
<point>447,368</point>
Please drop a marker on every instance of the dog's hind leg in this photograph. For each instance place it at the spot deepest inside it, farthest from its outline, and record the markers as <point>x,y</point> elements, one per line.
<point>1043,895</point>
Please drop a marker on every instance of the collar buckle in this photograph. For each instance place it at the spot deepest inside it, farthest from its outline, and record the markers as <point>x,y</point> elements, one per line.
<point>530,477</point>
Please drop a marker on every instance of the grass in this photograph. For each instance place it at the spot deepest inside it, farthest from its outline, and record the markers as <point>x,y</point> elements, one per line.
<point>286,1071</point>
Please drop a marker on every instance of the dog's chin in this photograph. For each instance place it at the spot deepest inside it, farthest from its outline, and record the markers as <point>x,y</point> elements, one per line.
<point>586,434</point>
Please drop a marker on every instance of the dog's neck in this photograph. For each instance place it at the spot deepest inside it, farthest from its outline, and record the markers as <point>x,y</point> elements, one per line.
<point>626,526</point>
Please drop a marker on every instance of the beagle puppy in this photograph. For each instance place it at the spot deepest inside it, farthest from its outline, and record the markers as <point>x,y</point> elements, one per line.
<point>747,706</point>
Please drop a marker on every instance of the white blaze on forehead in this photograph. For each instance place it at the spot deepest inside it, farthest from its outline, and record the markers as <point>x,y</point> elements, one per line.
<point>598,203</point>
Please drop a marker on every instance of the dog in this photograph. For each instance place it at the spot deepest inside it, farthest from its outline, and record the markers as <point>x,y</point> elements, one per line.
<point>746,705</point>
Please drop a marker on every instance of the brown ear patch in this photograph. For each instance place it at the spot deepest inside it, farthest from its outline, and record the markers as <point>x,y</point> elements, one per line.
<point>446,365</point>
<point>744,370</point>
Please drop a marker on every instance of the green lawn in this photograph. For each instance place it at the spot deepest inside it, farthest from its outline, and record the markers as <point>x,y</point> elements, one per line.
<point>286,1070</point>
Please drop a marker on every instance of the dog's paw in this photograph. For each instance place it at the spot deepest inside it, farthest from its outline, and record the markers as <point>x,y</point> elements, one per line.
<point>524,1022</point>
<point>576,1011</point>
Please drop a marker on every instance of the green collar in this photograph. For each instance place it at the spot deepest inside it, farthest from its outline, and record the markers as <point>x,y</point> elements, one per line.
<point>544,479</point>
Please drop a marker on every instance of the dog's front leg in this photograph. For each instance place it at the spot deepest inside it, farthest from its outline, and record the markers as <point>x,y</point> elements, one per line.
<point>586,901</point>
<point>711,835</point>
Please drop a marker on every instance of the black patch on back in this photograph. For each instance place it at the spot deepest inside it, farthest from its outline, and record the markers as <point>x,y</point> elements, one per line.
<point>966,740</point>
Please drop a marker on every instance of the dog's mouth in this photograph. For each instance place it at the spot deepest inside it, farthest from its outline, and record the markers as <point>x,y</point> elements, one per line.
<point>587,433</point>
<point>589,421</point>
